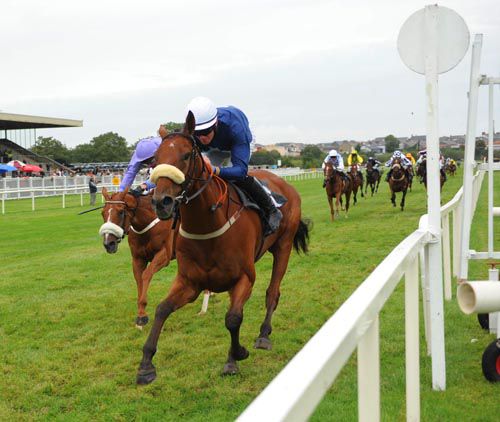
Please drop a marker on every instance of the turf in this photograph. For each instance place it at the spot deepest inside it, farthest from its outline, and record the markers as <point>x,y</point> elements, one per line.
<point>69,349</point>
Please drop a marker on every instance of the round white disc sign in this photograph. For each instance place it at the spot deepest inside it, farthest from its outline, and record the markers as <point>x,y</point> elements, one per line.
<point>452,39</point>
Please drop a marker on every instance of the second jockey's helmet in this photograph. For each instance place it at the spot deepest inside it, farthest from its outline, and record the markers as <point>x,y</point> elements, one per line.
<point>333,153</point>
<point>204,111</point>
<point>146,148</point>
<point>397,154</point>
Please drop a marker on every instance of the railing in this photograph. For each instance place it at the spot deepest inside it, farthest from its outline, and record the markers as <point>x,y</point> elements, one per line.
<point>36,187</point>
<point>299,387</point>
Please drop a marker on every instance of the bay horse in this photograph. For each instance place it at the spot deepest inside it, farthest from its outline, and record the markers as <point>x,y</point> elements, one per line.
<point>398,182</point>
<point>356,181</point>
<point>151,240</point>
<point>422,172</point>
<point>336,186</point>
<point>219,241</point>
<point>451,169</point>
<point>373,177</point>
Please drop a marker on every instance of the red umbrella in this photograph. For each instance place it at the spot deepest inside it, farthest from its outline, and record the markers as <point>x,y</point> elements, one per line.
<point>16,163</point>
<point>29,168</point>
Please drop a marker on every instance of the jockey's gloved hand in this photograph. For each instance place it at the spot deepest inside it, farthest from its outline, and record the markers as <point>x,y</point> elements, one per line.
<point>137,191</point>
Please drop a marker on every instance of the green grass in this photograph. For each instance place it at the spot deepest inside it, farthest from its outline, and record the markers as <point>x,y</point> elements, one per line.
<point>69,349</point>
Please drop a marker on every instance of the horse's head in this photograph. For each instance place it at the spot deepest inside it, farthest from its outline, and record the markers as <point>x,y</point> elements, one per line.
<point>117,213</point>
<point>329,171</point>
<point>179,166</point>
<point>354,168</point>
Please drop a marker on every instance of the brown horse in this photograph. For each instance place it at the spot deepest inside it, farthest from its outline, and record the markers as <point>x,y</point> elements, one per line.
<point>356,181</point>
<point>373,177</point>
<point>422,172</point>
<point>398,182</point>
<point>336,186</point>
<point>451,169</point>
<point>219,241</point>
<point>150,240</point>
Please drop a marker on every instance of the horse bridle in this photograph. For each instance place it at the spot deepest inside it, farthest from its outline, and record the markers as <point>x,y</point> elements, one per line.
<point>122,217</point>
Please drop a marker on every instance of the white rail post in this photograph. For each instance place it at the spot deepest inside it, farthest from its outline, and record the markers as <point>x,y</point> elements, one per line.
<point>491,129</point>
<point>469,163</point>
<point>3,202</point>
<point>494,317</point>
<point>457,212</point>
<point>446,256</point>
<point>412,342</point>
<point>434,199</point>
<point>369,374</point>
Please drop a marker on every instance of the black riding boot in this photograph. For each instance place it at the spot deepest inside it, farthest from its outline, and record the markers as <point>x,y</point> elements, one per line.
<point>257,192</point>
<point>388,175</point>
<point>443,173</point>
<point>324,183</point>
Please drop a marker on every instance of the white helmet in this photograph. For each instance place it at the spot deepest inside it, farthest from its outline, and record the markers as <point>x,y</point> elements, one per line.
<point>204,111</point>
<point>397,154</point>
<point>333,153</point>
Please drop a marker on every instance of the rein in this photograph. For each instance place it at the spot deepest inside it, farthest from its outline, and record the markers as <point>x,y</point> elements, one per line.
<point>134,210</point>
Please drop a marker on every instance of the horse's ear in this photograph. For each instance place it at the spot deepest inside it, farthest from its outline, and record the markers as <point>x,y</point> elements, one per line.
<point>189,124</point>
<point>126,190</point>
<point>163,132</point>
<point>105,193</point>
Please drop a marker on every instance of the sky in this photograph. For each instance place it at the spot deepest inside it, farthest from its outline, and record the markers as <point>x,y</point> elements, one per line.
<point>302,70</point>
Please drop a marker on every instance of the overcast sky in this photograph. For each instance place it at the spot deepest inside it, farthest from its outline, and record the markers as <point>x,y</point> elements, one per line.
<point>302,70</point>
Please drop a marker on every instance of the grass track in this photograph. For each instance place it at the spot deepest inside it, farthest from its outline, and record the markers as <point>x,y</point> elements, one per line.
<point>69,350</point>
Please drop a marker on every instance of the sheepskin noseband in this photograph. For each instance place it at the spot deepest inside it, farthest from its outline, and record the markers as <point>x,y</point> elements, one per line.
<point>167,170</point>
<point>111,228</point>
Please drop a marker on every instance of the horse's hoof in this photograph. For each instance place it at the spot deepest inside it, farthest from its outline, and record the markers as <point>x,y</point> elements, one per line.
<point>242,354</point>
<point>146,376</point>
<point>140,321</point>
<point>263,343</point>
<point>139,327</point>
<point>230,368</point>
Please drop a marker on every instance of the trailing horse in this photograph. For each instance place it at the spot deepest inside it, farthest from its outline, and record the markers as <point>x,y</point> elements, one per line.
<point>451,169</point>
<point>219,241</point>
<point>398,182</point>
<point>373,176</point>
<point>151,240</point>
<point>356,180</point>
<point>336,185</point>
<point>422,172</point>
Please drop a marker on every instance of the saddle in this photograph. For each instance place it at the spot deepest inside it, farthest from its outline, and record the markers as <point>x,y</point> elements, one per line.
<point>248,202</point>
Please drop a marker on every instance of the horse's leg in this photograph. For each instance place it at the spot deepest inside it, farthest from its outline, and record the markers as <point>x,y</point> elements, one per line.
<point>281,255</point>
<point>361,185</point>
<point>337,204</point>
<point>332,211</point>
<point>403,201</point>
<point>179,295</point>
<point>160,260</point>
<point>393,198</point>
<point>347,199</point>
<point>238,295</point>
<point>355,192</point>
<point>138,267</point>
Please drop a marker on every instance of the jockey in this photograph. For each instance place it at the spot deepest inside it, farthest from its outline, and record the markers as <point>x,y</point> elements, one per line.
<point>355,158</point>
<point>410,157</point>
<point>224,133</point>
<point>374,162</point>
<point>337,161</point>
<point>142,156</point>
<point>405,163</point>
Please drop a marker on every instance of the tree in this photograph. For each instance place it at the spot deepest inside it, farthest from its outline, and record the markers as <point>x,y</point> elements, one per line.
<point>391,143</point>
<point>264,157</point>
<point>311,157</point>
<point>480,150</point>
<point>51,148</point>
<point>173,126</point>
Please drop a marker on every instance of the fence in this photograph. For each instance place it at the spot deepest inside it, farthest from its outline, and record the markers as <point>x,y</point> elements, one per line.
<point>37,187</point>
<point>299,387</point>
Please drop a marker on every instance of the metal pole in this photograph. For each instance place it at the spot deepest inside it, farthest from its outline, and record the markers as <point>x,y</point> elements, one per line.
<point>469,163</point>
<point>434,201</point>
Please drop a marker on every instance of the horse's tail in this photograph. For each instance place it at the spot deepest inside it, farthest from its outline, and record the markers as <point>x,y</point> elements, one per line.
<point>301,239</point>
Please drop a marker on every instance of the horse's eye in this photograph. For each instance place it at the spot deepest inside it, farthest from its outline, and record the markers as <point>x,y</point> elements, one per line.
<point>186,156</point>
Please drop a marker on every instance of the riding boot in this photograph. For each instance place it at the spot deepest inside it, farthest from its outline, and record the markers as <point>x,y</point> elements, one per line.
<point>443,174</point>
<point>324,183</point>
<point>273,215</point>
<point>388,175</point>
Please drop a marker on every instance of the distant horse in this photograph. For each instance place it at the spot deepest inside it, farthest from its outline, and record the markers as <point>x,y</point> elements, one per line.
<point>219,242</point>
<point>336,186</point>
<point>356,180</point>
<point>373,177</point>
<point>422,172</point>
<point>398,182</point>
<point>451,169</point>
<point>150,239</point>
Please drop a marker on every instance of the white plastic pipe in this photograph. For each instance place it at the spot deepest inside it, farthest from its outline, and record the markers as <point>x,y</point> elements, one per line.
<point>480,297</point>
